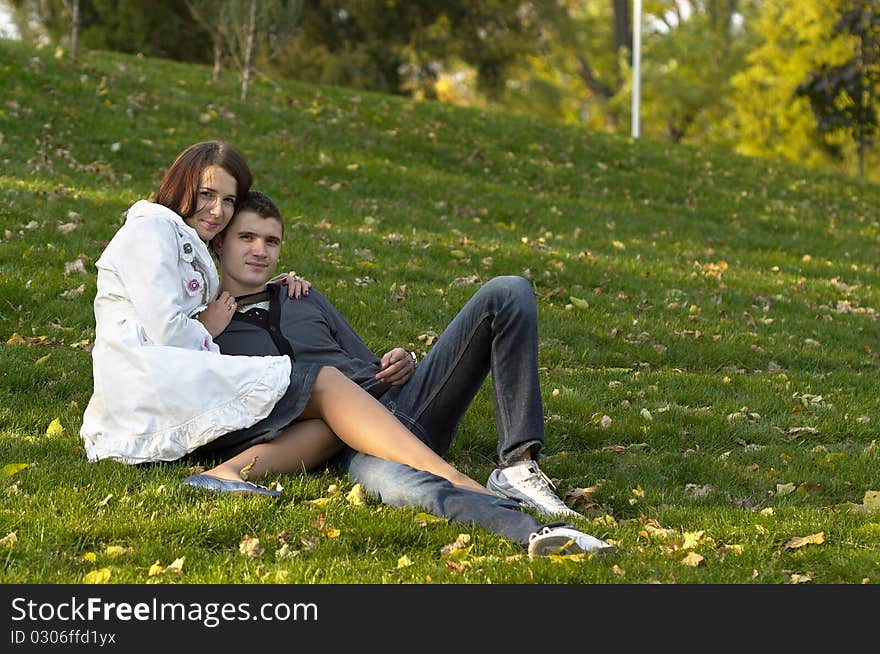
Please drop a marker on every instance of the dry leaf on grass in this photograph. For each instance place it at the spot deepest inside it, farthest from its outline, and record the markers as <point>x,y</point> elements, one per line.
<point>117,550</point>
<point>457,548</point>
<point>100,576</point>
<point>243,473</point>
<point>424,519</point>
<point>801,541</point>
<point>12,468</point>
<point>355,496</point>
<point>785,489</point>
<point>55,428</point>
<point>176,566</point>
<point>692,559</point>
<point>250,547</point>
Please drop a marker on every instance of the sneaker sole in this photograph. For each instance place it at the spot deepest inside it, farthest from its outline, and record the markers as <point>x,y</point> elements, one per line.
<point>562,545</point>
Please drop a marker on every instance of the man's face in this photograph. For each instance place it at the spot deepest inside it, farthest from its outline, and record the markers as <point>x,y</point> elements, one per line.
<point>248,252</point>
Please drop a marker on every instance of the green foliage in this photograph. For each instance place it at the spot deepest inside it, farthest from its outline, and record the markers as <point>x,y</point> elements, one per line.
<point>843,97</point>
<point>155,28</point>
<point>383,45</point>
<point>769,118</point>
<point>708,325</point>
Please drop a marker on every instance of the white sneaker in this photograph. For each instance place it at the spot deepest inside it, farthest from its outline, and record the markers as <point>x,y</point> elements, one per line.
<point>566,540</point>
<point>524,482</point>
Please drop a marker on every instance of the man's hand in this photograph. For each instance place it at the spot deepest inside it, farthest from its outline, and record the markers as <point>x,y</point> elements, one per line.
<point>218,313</point>
<point>296,285</point>
<point>397,367</point>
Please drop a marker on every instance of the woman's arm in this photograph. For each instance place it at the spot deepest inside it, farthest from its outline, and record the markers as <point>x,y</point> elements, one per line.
<point>147,259</point>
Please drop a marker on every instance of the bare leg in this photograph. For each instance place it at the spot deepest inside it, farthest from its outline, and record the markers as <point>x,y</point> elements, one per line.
<point>367,426</point>
<point>301,446</point>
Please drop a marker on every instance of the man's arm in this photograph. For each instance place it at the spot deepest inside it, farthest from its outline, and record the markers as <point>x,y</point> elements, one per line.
<point>395,366</point>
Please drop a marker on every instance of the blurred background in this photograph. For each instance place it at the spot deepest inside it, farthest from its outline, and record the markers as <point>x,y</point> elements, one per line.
<point>784,79</point>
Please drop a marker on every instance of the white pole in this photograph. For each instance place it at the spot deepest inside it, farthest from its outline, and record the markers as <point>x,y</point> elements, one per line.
<point>637,66</point>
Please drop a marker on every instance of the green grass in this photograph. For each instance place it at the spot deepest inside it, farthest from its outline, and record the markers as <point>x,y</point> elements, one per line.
<point>712,307</point>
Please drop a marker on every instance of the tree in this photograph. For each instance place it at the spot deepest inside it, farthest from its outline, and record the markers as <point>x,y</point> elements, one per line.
<point>243,25</point>
<point>157,28</point>
<point>584,72</point>
<point>394,46</point>
<point>72,7</point>
<point>843,97</point>
<point>767,118</point>
<point>211,15</point>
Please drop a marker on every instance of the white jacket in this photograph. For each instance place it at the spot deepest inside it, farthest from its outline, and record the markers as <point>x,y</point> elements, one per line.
<point>161,386</point>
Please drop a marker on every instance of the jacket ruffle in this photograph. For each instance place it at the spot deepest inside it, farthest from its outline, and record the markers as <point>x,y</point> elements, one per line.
<point>170,444</point>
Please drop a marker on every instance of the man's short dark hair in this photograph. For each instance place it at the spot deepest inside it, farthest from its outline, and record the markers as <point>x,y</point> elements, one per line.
<point>261,204</point>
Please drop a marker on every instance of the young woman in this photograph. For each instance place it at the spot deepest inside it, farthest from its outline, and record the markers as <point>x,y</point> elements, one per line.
<point>163,391</point>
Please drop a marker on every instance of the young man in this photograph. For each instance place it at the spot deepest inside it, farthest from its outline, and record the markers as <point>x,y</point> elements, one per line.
<point>496,330</point>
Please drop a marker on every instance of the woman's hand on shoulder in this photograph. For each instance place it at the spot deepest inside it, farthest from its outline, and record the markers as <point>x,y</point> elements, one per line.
<point>297,287</point>
<point>218,314</point>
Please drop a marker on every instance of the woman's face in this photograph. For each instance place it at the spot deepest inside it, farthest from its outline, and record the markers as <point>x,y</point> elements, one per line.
<point>215,204</point>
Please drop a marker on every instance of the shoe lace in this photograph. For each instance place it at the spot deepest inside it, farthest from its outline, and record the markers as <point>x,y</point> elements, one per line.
<point>542,484</point>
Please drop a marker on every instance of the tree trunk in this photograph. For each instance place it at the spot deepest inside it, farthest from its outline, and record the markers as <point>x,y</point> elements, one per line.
<point>248,51</point>
<point>218,54</point>
<point>74,31</point>
<point>72,7</point>
<point>622,29</point>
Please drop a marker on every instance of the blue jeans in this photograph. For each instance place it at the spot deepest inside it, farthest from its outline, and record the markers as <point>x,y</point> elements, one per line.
<point>496,331</point>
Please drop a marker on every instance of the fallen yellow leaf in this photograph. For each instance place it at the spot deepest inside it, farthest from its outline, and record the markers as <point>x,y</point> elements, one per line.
<point>155,569</point>
<point>54,429</point>
<point>9,540</point>
<point>872,500</point>
<point>692,559</point>
<point>801,541</point>
<point>732,549</point>
<point>785,489</point>
<point>355,496</point>
<point>799,579</point>
<point>243,473</point>
<point>100,576</point>
<point>13,468</point>
<point>403,562</point>
<point>424,519</point>
<point>116,550</point>
<point>654,530</point>
<point>690,539</point>
<point>457,548</point>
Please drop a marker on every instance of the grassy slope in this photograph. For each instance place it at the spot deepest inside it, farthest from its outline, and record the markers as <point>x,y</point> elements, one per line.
<point>731,301</point>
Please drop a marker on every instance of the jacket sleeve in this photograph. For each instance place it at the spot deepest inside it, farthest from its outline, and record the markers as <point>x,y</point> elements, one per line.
<point>148,263</point>
<point>344,333</point>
